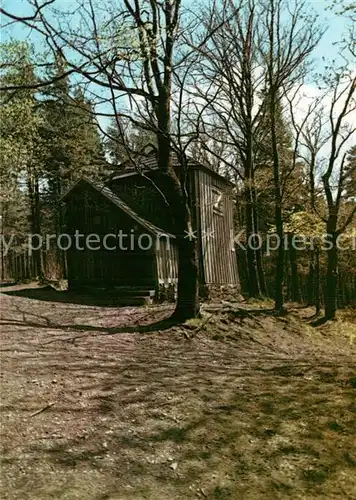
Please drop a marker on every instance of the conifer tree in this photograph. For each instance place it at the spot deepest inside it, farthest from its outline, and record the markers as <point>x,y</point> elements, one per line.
<point>73,144</point>
<point>20,171</point>
<point>87,156</point>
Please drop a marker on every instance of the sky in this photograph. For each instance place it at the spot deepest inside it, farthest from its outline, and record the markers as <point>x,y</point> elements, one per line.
<point>326,49</point>
<point>335,25</point>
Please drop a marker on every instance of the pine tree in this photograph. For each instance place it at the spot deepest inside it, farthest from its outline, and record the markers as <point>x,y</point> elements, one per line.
<point>20,169</point>
<point>86,150</point>
<point>73,146</point>
<point>56,133</point>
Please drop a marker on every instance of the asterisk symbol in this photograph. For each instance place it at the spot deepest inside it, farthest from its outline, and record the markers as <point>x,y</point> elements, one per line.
<point>191,235</point>
<point>208,234</point>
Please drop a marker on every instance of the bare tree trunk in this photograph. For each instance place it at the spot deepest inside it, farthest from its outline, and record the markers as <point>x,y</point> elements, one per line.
<point>34,198</point>
<point>175,188</point>
<point>188,299</point>
<point>259,259</point>
<point>331,285</point>
<point>310,280</point>
<point>279,298</point>
<point>188,284</point>
<point>261,273</point>
<point>317,282</point>
<point>253,285</point>
<point>295,284</point>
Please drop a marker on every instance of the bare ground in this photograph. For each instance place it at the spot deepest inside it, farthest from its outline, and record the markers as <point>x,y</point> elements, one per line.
<point>238,405</point>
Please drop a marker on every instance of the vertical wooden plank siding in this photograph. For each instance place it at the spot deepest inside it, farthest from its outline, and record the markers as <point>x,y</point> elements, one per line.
<point>195,196</point>
<point>167,262</point>
<point>218,257</point>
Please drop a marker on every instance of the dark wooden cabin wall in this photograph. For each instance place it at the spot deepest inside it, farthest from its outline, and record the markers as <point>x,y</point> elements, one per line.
<point>89,212</point>
<point>144,198</point>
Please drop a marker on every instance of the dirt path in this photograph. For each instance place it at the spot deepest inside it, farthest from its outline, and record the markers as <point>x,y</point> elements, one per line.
<point>247,409</point>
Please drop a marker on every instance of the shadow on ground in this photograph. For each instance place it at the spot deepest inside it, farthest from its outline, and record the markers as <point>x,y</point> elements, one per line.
<point>160,417</point>
<point>49,294</point>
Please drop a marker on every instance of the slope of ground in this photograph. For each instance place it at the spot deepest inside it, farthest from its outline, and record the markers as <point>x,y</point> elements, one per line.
<point>237,405</point>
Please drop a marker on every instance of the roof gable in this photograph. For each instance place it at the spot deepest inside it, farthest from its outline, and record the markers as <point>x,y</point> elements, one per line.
<point>147,162</point>
<point>118,202</point>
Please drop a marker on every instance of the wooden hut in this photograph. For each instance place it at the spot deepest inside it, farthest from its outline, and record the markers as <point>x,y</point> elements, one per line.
<point>129,209</point>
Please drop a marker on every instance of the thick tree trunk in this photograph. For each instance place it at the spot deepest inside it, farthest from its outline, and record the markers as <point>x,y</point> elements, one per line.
<point>279,298</point>
<point>188,283</point>
<point>310,281</point>
<point>261,273</point>
<point>2,265</point>
<point>331,278</point>
<point>188,299</point>
<point>254,285</point>
<point>295,294</point>
<point>34,198</point>
<point>259,259</point>
<point>241,253</point>
<point>2,219</point>
<point>175,191</point>
<point>59,225</point>
<point>242,270</point>
<point>317,300</point>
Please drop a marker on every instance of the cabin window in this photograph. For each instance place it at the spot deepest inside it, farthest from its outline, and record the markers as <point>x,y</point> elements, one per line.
<point>218,202</point>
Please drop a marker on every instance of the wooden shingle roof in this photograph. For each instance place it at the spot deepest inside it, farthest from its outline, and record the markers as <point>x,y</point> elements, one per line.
<point>147,162</point>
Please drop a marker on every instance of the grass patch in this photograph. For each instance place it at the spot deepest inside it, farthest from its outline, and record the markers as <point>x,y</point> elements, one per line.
<point>282,487</point>
<point>221,493</point>
<point>349,459</point>
<point>336,426</point>
<point>316,476</point>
